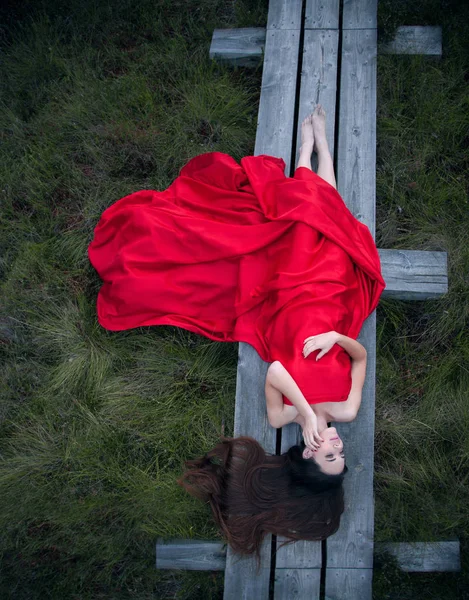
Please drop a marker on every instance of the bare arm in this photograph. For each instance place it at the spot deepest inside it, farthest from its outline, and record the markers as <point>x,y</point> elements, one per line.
<point>278,382</point>
<point>352,347</point>
<point>343,411</point>
<point>281,380</point>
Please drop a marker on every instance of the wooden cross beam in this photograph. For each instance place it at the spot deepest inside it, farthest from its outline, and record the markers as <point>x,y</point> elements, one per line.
<point>417,557</point>
<point>244,46</point>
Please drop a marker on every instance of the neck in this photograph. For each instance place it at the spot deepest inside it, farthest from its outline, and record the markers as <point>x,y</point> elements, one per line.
<point>322,423</point>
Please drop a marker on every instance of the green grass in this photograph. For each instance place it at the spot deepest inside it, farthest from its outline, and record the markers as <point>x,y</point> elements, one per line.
<point>102,99</point>
<point>99,101</point>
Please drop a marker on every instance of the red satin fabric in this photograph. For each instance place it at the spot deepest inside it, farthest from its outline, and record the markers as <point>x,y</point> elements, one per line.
<point>242,253</point>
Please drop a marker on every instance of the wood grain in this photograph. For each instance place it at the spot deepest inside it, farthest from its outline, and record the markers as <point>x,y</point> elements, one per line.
<point>424,557</point>
<point>348,584</point>
<point>274,137</point>
<point>356,168</point>
<point>319,80</point>
<point>243,47</point>
<point>415,40</point>
<point>200,555</point>
<point>298,555</point>
<point>297,583</point>
<point>242,580</point>
<point>277,102</point>
<point>414,274</point>
<point>190,555</point>
<point>322,15</point>
<point>360,14</point>
<point>284,14</point>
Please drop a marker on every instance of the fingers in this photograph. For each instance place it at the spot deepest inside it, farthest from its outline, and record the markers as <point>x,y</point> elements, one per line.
<point>312,440</point>
<point>309,347</point>
<point>321,354</point>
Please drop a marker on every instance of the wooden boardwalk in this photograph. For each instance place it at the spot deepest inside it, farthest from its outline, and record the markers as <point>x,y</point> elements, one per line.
<point>315,53</point>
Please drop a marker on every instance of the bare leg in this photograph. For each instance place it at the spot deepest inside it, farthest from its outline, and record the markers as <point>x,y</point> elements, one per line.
<point>307,143</point>
<point>325,164</point>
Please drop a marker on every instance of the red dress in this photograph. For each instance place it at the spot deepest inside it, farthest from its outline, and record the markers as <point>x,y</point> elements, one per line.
<point>242,253</point>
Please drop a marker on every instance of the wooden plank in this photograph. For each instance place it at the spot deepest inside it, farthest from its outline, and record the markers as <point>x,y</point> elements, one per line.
<point>352,546</point>
<point>322,15</point>
<point>360,14</point>
<point>284,14</point>
<point>416,557</point>
<point>356,168</point>
<point>242,580</point>
<point>414,274</point>
<point>297,583</point>
<point>274,137</point>
<point>415,40</point>
<point>420,557</point>
<point>277,102</point>
<point>302,554</point>
<point>298,555</point>
<point>243,47</point>
<point>190,555</point>
<point>351,584</point>
<point>319,80</point>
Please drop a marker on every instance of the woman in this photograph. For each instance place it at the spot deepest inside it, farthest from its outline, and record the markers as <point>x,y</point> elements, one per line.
<point>244,253</point>
<point>286,402</point>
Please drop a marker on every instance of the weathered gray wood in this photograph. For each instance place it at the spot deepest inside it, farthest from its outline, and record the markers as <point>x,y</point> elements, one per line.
<point>199,555</point>
<point>250,413</point>
<point>274,136</point>
<point>350,584</point>
<point>352,545</point>
<point>350,550</point>
<point>320,14</point>
<point>318,84</point>
<point>243,47</point>
<point>422,557</point>
<point>414,274</point>
<point>298,555</point>
<point>356,168</point>
<point>284,14</point>
<point>297,583</point>
<point>360,14</point>
<point>277,102</point>
<point>319,79</point>
<point>242,580</point>
<point>415,40</point>
<point>190,555</point>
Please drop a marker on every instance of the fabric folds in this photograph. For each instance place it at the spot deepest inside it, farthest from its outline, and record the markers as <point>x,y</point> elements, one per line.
<point>239,252</point>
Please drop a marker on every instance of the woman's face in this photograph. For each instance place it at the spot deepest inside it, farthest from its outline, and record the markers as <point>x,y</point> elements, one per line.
<point>330,455</point>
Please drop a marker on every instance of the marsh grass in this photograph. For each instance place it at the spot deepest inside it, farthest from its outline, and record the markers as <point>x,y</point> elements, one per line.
<point>422,451</point>
<point>102,99</point>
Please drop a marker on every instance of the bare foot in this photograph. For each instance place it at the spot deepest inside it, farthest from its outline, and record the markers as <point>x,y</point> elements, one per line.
<point>307,133</point>
<point>319,128</point>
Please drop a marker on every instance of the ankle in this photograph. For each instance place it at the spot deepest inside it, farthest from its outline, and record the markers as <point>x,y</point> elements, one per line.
<point>321,147</point>
<point>307,148</point>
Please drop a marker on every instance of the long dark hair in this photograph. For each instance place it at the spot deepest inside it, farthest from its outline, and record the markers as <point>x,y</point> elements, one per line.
<point>252,493</point>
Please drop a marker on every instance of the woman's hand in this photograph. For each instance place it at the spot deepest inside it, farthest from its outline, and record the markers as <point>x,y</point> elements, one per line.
<point>310,432</point>
<point>323,342</point>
